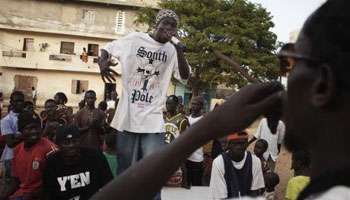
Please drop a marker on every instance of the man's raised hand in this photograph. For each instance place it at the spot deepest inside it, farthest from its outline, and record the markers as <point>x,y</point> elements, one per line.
<point>105,62</point>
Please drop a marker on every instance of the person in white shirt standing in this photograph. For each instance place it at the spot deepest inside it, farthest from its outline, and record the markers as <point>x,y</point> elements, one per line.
<point>148,62</point>
<point>194,163</point>
<point>237,172</point>
<point>273,132</point>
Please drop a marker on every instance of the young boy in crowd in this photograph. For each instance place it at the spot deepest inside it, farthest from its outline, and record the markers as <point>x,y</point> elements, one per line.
<point>9,129</point>
<point>259,149</point>
<point>29,107</point>
<point>91,122</point>
<point>30,158</point>
<point>74,172</point>
<point>237,172</point>
<point>271,181</point>
<point>273,132</point>
<point>194,163</point>
<point>51,119</point>
<point>110,152</point>
<point>175,124</point>
<point>64,112</point>
<point>301,167</point>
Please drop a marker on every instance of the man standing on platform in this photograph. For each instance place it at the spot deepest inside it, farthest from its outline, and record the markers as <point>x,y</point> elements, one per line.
<point>148,62</point>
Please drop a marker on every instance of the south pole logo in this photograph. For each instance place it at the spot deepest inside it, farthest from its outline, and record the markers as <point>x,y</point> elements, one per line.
<point>35,165</point>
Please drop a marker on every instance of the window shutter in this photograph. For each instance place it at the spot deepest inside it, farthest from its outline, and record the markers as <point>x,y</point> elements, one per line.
<point>89,16</point>
<point>120,22</point>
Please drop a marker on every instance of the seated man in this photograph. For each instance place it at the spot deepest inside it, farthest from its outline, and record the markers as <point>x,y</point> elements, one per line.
<point>30,156</point>
<point>74,172</point>
<point>237,172</point>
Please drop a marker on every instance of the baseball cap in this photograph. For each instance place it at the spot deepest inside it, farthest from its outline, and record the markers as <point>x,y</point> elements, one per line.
<point>67,132</point>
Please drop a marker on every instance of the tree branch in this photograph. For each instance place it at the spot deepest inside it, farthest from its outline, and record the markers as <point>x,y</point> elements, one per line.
<point>235,66</point>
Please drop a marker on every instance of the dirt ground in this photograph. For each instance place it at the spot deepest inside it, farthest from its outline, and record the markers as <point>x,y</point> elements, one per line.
<point>282,167</point>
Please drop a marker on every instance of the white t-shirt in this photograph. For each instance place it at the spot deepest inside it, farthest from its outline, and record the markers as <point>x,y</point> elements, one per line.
<point>218,186</point>
<point>34,94</point>
<point>9,127</point>
<point>198,155</point>
<point>147,67</point>
<point>263,132</point>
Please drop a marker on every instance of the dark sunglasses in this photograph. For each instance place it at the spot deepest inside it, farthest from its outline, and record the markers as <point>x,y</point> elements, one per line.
<point>288,57</point>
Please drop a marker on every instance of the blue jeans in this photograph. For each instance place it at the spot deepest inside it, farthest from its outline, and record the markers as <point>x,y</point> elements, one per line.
<point>132,147</point>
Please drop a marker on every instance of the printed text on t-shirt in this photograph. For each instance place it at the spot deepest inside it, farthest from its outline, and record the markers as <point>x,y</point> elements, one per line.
<point>75,180</point>
<point>161,55</point>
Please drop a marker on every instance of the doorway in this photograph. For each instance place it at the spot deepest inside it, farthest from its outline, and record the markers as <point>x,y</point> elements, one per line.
<point>25,84</point>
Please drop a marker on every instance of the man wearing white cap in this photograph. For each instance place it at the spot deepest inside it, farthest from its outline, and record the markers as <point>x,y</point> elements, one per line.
<point>148,62</point>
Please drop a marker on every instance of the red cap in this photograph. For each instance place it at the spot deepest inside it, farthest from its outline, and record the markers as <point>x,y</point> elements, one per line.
<point>237,136</point>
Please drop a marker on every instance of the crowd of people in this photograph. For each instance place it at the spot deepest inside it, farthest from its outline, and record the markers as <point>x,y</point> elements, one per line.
<point>314,109</point>
<point>56,154</point>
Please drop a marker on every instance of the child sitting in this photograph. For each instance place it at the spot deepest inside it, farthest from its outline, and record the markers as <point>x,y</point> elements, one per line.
<point>271,181</point>
<point>259,149</point>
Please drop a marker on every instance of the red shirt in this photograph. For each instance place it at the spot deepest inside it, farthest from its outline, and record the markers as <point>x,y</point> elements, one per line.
<point>28,166</point>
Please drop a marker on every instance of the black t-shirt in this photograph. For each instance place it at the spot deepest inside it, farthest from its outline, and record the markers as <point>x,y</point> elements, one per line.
<point>76,182</point>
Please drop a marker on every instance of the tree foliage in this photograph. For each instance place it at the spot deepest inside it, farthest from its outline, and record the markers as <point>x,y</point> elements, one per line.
<point>237,28</point>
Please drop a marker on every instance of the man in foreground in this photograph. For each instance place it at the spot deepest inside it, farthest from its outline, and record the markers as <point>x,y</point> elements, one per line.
<point>316,116</point>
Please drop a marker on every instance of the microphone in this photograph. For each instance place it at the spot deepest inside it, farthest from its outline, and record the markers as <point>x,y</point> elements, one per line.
<point>177,42</point>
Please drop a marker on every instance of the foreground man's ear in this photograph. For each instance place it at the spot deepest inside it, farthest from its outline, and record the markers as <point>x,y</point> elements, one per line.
<point>324,87</point>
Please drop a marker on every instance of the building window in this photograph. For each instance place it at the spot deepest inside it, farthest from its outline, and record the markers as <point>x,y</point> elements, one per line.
<point>92,49</point>
<point>120,22</point>
<point>79,86</point>
<point>25,84</point>
<point>28,44</point>
<point>89,16</point>
<point>67,48</point>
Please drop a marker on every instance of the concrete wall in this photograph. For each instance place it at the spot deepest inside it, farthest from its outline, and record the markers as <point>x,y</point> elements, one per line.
<point>13,40</point>
<point>52,22</point>
<point>65,17</point>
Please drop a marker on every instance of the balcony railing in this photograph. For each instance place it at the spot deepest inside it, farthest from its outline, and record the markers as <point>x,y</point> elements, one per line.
<point>47,61</point>
<point>14,54</point>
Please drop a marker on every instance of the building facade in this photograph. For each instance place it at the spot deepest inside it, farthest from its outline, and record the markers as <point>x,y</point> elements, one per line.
<point>53,45</point>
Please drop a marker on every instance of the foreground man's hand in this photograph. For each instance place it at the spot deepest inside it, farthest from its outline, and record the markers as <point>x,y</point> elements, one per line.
<point>246,105</point>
